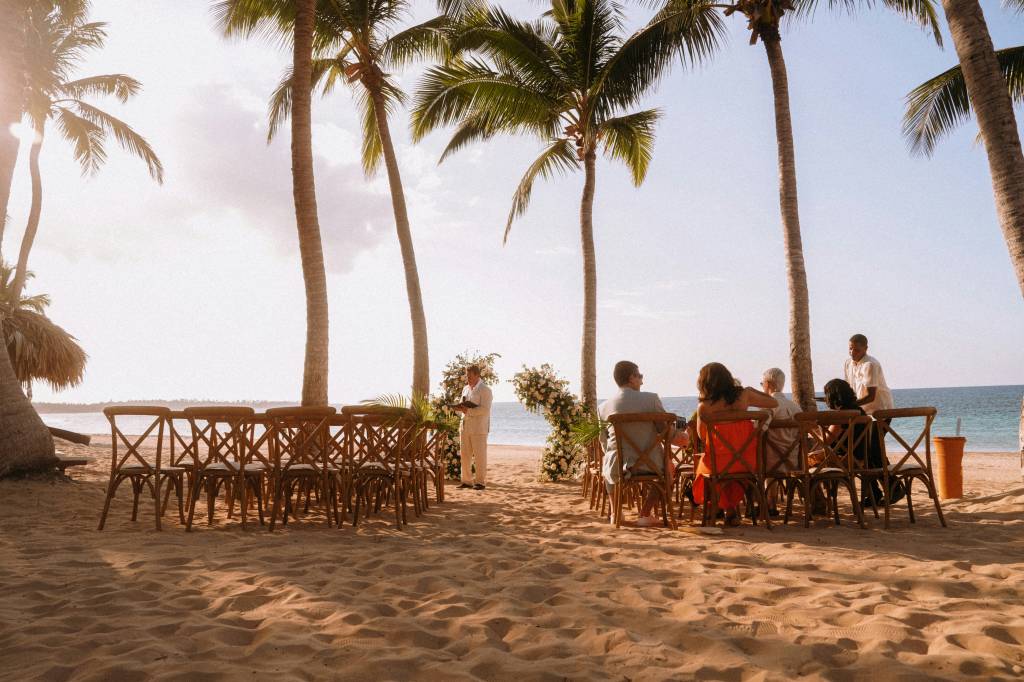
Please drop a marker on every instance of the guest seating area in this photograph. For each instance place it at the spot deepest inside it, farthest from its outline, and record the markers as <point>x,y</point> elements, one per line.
<point>824,468</point>
<point>277,465</point>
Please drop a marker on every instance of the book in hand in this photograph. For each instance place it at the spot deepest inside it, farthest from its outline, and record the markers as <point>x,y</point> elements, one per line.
<point>467,404</point>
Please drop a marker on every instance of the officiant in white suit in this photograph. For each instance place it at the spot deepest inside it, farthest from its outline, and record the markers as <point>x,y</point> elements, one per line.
<point>476,423</point>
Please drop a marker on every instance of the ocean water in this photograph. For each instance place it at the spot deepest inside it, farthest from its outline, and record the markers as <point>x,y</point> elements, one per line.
<point>989,417</point>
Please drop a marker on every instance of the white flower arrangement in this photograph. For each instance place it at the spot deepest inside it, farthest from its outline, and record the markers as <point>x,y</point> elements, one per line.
<point>541,390</point>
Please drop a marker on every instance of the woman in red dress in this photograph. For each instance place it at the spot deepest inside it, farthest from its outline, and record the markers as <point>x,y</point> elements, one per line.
<point>719,392</point>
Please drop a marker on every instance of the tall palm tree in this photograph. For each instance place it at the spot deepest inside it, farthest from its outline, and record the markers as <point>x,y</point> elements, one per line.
<point>296,19</point>
<point>567,78</point>
<point>25,442</point>
<point>986,82</point>
<point>54,49</point>
<point>356,45</point>
<point>763,19</point>
<point>989,81</point>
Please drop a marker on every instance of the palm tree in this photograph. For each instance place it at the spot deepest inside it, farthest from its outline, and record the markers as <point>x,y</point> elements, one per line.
<point>54,48</point>
<point>567,78</point>
<point>763,19</point>
<point>296,19</point>
<point>356,45</point>
<point>25,442</point>
<point>990,81</point>
<point>987,81</point>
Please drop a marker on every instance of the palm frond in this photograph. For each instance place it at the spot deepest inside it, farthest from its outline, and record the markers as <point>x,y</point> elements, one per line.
<point>1015,5</point>
<point>588,430</point>
<point>524,48</point>
<point>372,146</point>
<point>940,104</point>
<point>478,125</point>
<point>325,74</point>
<point>559,158</point>
<point>86,138</point>
<point>448,93</point>
<point>124,135</point>
<point>690,30</point>
<point>117,84</point>
<point>270,20</point>
<point>921,12</point>
<point>630,139</point>
<point>426,40</point>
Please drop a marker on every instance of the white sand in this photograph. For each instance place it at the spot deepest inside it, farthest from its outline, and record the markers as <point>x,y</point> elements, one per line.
<point>519,582</point>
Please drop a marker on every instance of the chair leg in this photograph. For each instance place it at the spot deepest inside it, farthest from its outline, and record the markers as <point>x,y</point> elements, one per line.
<point>857,509</point>
<point>935,498</point>
<point>910,499</point>
<point>136,491</point>
<point>112,485</point>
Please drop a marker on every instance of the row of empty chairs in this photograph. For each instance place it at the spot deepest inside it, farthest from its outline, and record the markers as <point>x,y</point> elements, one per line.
<point>814,463</point>
<point>278,463</point>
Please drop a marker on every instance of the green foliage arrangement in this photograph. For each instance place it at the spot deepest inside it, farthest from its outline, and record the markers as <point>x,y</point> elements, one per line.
<point>541,390</point>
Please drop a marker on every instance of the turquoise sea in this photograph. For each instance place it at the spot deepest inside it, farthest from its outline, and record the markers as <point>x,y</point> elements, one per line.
<point>989,416</point>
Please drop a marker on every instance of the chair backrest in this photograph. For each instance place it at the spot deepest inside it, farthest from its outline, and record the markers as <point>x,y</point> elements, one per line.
<point>218,434</point>
<point>884,421</point>
<point>781,447</point>
<point>339,441</point>
<point>651,457</point>
<point>300,436</point>
<point>829,451</point>
<point>182,446</point>
<point>727,456</point>
<point>158,417</point>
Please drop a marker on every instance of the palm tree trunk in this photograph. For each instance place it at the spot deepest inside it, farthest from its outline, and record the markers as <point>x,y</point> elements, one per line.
<point>588,361</point>
<point>25,442</point>
<point>420,356</point>
<point>314,377</point>
<point>33,215</point>
<point>12,87</point>
<point>799,307</point>
<point>994,112</point>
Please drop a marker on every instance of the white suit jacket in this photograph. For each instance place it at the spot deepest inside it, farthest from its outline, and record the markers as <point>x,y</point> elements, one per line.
<point>477,420</point>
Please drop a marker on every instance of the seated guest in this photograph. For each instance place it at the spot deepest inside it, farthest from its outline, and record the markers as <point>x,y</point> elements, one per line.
<point>629,400</point>
<point>839,395</point>
<point>779,442</point>
<point>717,391</point>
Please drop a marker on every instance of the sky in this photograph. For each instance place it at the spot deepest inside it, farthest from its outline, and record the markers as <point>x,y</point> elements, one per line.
<point>193,289</point>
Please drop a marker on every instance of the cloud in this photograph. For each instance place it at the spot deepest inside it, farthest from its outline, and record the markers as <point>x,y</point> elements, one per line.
<point>231,168</point>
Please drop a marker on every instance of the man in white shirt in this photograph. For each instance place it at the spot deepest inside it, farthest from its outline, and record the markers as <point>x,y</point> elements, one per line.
<point>864,374</point>
<point>476,423</point>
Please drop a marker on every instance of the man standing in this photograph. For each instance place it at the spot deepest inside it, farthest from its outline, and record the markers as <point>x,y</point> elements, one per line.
<point>864,374</point>
<point>476,423</point>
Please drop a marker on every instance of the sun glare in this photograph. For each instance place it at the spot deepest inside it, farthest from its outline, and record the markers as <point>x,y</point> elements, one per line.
<point>22,131</point>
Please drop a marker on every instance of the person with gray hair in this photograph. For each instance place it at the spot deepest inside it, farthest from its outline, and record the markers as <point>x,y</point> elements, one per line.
<point>778,441</point>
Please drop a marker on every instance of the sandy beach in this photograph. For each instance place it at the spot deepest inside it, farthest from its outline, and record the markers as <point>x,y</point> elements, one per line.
<point>520,582</point>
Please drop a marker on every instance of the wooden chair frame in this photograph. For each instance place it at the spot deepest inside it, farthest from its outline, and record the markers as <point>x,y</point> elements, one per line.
<point>685,470</point>
<point>750,478</point>
<point>633,478</point>
<point>135,468</point>
<point>223,458</point>
<point>382,473</point>
<point>910,466</point>
<point>300,455</point>
<point>780,473</point>
<point>835,467</point>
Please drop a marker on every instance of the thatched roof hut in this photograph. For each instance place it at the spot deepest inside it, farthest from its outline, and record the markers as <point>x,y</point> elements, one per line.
<point>42,351</point>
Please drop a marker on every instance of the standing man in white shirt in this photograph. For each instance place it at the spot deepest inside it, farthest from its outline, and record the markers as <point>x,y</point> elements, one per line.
<point>476,423</point>
<point>864,374</point>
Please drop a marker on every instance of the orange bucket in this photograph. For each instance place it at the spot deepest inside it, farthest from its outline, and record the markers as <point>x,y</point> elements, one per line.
<point>949,471</point>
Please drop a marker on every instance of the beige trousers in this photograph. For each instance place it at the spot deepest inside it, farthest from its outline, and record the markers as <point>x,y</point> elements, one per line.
<point>474,451</point>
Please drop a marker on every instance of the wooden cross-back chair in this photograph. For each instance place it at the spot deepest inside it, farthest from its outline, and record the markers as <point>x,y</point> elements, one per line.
<point>436,438</point>
<point>727,463</point>
<point>381,472</point>
<point>832,464</point>
<point>683,458</point>
<point>182,451</point>
<point>907,463</point>
<point>224,460</point>
<point>649,473</point>
<point>339,462</point>
<point>300,453</point>
<point>781,460</point>
<point>131,465</point>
